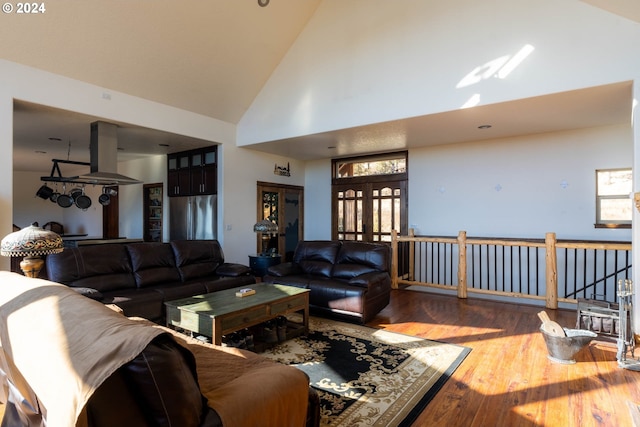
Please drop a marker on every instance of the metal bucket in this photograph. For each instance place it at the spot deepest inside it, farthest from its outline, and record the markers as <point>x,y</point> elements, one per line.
<point>563,349</point>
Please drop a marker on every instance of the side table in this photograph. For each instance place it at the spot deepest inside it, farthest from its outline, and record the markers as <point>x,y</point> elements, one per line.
<point>260,263</point>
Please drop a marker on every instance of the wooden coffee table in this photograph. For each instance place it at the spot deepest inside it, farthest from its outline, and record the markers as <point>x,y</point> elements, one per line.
<point>220,313</point>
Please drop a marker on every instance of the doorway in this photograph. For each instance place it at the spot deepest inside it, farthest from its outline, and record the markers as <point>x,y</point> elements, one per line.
<point>369,197</point>
<point>110,215</point>
<point>283,205</point>
<point>369,212</point>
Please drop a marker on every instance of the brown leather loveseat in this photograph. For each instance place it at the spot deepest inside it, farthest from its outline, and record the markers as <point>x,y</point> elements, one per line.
<point>346,279</point>
<point>141,277</point>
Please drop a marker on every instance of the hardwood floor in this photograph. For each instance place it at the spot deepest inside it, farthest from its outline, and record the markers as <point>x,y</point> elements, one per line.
<point>507,379</point>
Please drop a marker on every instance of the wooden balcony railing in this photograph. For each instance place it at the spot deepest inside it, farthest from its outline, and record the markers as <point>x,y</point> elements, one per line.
<point>541,269</point>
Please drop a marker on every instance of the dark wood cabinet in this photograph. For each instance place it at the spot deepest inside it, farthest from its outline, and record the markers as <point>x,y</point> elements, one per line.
<point>193,172</point>
<point>178,174</point>
<point>204,171</point>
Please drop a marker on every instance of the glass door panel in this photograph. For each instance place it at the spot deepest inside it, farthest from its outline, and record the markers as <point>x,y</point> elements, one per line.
<point>291,222</point>
<point>369,211</point>
<point>282,205</point>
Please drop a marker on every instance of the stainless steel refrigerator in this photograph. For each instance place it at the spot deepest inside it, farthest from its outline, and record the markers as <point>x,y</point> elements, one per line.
<point>193,217</point>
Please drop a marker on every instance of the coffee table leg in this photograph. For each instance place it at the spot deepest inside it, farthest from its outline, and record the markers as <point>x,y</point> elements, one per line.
<point>305,316</point>
<point>216,331</point>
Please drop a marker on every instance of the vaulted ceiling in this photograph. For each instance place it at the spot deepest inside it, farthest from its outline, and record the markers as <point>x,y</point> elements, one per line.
<point>212,58</point>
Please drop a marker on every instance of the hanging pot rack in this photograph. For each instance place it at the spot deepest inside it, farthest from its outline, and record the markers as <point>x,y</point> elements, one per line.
<point>56,175</point>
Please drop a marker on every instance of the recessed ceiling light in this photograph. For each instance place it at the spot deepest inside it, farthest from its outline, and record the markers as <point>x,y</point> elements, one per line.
<point>484,126</point>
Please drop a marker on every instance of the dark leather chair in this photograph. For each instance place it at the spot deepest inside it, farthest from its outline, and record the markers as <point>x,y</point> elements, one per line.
<point>56,227</point>
<point>347,280</point>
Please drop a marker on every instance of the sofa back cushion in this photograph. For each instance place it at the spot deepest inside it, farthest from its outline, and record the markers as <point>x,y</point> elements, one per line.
<point>316,256</point>
<point>152,263</point>
<point>356,258</point>
<point>197,258</point>
<point>101,267</point>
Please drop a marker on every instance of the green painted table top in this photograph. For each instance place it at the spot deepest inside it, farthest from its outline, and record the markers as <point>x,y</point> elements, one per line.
<point>225,302</point>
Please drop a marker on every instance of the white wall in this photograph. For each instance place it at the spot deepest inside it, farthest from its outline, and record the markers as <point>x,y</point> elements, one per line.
<point>359,62</point>
<point>150,170</point>
<point>517,187</point>
<point>317,204</point>
<point>243,169</point>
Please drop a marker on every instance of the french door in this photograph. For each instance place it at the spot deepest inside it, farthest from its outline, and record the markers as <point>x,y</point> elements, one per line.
<point>369,211</point>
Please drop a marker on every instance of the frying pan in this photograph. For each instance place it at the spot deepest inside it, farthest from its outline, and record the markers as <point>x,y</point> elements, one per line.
<point>64,200</point>
<point>81,200</point>
<point>75,193</point>
<point>54,195</point>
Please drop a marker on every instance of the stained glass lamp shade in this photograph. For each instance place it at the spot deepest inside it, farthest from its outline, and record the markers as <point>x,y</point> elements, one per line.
<point>31,243</point>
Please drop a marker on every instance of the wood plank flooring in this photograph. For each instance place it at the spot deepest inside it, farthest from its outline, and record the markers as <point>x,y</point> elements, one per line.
<point>507,379</point>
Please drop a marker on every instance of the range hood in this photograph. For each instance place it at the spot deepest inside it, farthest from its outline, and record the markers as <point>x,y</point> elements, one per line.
<point>104,160</point>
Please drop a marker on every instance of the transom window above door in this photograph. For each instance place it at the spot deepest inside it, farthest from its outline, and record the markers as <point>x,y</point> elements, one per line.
<point>386,164</point>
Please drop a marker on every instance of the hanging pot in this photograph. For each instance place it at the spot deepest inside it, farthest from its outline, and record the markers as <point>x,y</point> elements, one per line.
<point>54,195</point>
<point>75,193</point>
<point>64,200</point>
<point>44,192</point>
<point>82,201</point>
<point>104,199</point>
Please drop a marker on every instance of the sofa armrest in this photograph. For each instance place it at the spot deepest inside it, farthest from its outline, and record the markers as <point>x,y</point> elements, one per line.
<point>284,269</point>
<point>230,269</point>
<point>88,292</point>
<point>367,279</point>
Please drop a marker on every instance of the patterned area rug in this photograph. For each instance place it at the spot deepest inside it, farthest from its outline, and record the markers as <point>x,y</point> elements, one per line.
<point>366,376</point>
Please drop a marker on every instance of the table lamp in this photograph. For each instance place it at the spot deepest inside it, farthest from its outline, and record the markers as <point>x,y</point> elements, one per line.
<point>31,243</point>
<point>266,228</point>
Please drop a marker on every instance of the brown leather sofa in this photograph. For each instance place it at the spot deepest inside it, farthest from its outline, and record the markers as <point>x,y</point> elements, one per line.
<point>66,360</point>
<point>140,277</point>
<point>346,279</point>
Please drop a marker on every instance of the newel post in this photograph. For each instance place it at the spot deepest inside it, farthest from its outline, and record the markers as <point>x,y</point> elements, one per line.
<point>394,259</point>
<point>552,271</point>
<point>462,264</point>
<point>412,253</point>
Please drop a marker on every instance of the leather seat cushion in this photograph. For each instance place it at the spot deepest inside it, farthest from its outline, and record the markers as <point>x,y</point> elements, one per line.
<point>336,295</point>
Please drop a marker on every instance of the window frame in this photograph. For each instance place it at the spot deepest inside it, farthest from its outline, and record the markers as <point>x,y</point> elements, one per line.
<point>600,223</point>
<point>398,176</point>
